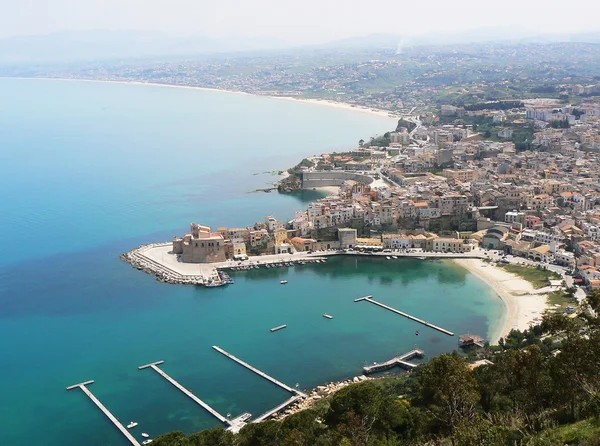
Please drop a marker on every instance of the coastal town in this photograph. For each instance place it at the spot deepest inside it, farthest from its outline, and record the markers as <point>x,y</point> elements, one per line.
<point>435,187</point>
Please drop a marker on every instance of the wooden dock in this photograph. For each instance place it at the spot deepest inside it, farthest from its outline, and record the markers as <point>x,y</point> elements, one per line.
<point>397,361</point>
<point>260,373</point>
<point>197,400</point>
<point>406,315</point>
<point>110,416</point>
<point>276,409</point>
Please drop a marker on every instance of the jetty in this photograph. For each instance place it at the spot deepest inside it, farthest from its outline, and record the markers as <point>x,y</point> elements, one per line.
<point>469,340</point>
<point>363,298</point>
<point>406,315</point>
<point>279,327</point>
<point>260,373</point>
<point>213,412</point>
<point>110,416</point>
<point>276,409</point>
<point>401,361</point>
<point>297,394</point>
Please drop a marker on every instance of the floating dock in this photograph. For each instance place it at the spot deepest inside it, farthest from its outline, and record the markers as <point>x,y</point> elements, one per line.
<point>328,316</point>
<point>406,315</point>
<point>397,361</point>
<point>110,416</point>
<point>260,373</point>
<point>276,409</point>
<point>297,394</point>
<point>279,327</point>
<point>363,298</point>
<point>197,400</point>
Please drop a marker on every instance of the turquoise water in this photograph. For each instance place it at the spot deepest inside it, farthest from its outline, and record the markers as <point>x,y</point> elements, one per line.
<point>89,170</point>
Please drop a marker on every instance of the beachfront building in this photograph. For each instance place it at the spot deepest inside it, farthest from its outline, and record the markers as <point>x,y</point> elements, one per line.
<point>201,245</point>
<point>495,237</point>
<point>452,245</point>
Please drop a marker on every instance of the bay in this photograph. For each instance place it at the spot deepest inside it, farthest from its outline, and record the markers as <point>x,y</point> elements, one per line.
<point>90,170</point>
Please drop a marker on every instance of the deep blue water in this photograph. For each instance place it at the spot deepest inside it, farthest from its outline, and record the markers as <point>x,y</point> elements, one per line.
<point>90,170</point>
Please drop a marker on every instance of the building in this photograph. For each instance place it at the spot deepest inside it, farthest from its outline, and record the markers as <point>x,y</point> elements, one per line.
<point>280,235</point>
<point>303,244</point>
<point>515,217</point>
<point>347,237</point>
<point>201,245</point>
<point>465,176</point>
<point>451,245</point>
<point>495,237</point>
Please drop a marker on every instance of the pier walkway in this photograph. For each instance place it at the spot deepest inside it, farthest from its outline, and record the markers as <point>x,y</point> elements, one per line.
<point>276,409</point>
<point>109,415</point>
<point>406,315</point>
<point>397,361</point>
<point>197,400</point>
<point>260,373</point>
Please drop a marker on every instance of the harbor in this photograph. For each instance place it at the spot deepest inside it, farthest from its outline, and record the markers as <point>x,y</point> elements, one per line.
<point>159,260</point>
<point>303,311</point>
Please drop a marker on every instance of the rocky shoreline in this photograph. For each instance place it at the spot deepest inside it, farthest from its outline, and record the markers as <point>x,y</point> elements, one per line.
<point>317,394</point>
<point>137,260</point>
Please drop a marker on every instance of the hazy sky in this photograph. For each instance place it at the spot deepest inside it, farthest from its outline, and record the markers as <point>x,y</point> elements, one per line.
<point>294,20</point>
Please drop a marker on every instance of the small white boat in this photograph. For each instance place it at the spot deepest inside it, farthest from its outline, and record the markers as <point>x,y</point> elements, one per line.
<point>132,425</point>
<point>388,257</point>
<point>145,435</point>
<point>283,282</point>
<point>147,441</point>
<point>394,257</point>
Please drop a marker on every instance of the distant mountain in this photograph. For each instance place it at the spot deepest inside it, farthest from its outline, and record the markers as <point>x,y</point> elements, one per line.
<point>78,46</point>
<point>482,35</point>
<point>69,46</point>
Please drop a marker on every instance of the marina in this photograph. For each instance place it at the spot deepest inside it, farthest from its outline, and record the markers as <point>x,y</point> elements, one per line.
<point>406,315</point>
<point>110,416</point>
<point>401,361</point>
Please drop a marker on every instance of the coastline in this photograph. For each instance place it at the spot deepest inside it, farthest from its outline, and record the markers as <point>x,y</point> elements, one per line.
<point>524,304</point>
<point>324,102</point>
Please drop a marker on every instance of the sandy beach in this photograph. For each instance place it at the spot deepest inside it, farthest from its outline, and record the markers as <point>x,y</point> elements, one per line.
<point>325,102</point>
<point>523,302</point>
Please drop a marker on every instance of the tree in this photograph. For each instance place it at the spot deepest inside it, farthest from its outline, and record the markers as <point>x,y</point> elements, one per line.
<point>448,389</point>
<point>213,437</point>
<point>594,300</point>
<point>361,142</point>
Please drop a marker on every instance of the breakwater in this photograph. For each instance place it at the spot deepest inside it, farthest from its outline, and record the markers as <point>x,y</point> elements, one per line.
<point>159,260</point>
<point>163,273</point>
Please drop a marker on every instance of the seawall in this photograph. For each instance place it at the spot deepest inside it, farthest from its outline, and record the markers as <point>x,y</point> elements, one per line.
<point>332,178</point>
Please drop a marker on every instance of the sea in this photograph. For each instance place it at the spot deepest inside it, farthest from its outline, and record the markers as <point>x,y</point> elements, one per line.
<point>89,170</point>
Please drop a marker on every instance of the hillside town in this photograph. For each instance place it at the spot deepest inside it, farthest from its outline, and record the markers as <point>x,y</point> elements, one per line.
<point>444,188</point>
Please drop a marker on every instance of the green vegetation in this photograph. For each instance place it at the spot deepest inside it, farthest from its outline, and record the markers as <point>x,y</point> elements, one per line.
<point>562,298</point>
<point>542,388</point>
<point>535,275</point>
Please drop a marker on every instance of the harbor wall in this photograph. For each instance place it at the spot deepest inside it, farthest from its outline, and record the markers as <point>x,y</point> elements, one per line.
<point>332,178</point>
